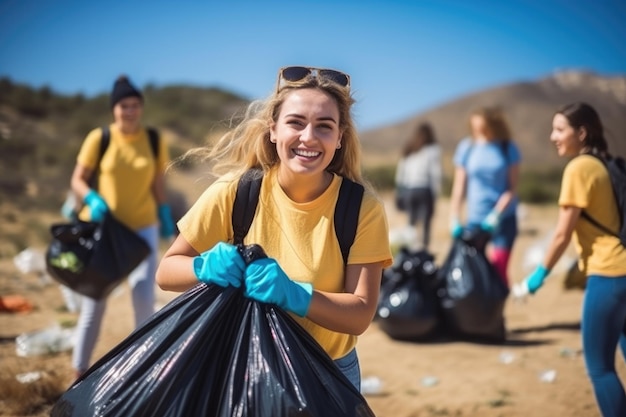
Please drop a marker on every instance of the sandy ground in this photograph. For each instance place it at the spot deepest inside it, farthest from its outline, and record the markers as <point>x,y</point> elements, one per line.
<point>448,378</point>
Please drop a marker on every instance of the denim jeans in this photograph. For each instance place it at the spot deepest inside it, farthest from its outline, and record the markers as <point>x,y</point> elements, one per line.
<point>603,324</point>
<point>349,366</point>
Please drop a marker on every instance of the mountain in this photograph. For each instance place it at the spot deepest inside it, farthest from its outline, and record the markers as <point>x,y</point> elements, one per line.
<point>529,107</point>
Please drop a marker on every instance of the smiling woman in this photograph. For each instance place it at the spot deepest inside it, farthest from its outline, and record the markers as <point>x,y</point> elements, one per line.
<point>586,196</point>
<point>304,141</point>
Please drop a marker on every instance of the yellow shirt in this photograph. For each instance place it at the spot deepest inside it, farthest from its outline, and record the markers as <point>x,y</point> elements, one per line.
<point>300,236</point>
<point>127,171</point>
<point>586,184</point>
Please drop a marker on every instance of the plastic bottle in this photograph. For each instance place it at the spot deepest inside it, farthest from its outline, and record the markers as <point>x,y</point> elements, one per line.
<point>42,342</point>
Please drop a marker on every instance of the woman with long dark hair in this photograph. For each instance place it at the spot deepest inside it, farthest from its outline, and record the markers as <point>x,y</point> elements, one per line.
<point>577,133</point>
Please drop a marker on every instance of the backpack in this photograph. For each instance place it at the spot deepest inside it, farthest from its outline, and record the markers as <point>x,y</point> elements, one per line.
<point>346,211</point>
<point>74,205</point>
<point>616,166</point>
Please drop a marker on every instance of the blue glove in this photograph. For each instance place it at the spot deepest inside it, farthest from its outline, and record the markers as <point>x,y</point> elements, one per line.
<point>491,222</point>
<point>268,283</point>
<point>456,229</point>
<point>166,222</point>
<point>535,280</point>
<point>97,206</point>
<point>222,265</point>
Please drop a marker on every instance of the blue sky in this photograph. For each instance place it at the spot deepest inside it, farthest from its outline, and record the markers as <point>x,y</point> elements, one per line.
<point>404,56</point>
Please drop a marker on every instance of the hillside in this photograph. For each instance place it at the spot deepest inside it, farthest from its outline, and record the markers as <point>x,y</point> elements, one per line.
<point>529,107</point>
<point>41,131</point>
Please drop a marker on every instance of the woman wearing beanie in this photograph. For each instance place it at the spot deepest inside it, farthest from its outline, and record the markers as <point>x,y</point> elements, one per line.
<point>130,187</point>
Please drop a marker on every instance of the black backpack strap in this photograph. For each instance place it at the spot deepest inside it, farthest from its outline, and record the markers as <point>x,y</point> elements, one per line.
<point>598,224</point>
<point>347,215</point>
<point>104,142</point>
<point>587,216</point>
<point>153,136</point>
<point>245,203</point>
<point>105,139</point>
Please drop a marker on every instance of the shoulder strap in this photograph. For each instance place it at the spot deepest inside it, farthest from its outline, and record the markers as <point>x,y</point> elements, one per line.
<point>597,224</point>
<point>346,216</point>
<point>587,216</point>
<point>105,139</point>
<point>104,142</point>
<point>504,148</point>
<point>153,135</point>
<point>246,200</point>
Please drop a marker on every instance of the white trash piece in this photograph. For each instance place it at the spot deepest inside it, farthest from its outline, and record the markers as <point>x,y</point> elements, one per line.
<point>506,357</point>
<point>549,375</point>
<point>371,386</point>
<point>52,339</point>
<point>32,260</point>
<point>429,381</point>
<point>28,377</point>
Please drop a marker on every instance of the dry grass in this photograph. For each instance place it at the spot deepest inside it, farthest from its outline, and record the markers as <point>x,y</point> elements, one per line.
<point>28,398</point>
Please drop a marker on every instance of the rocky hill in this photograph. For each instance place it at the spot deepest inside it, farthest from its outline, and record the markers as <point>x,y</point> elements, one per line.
<point>529,107</point>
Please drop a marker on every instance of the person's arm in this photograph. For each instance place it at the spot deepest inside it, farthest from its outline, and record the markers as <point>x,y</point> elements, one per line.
<point>457,195</point>
<point>568,216</point>
<point>79,181</point>
<point>352,311</point>
<point>158,188</point>
<point>175,271</point>
<point>400,173</point>
<point>508,196</point>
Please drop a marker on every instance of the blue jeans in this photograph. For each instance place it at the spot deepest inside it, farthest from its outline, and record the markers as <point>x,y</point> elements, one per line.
<point>349,366</point>
<point>603,324</point>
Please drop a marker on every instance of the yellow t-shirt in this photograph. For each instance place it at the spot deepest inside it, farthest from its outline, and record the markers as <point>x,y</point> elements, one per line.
<point>300,236</point>
<point>127,171</point>
<point>586,184</point>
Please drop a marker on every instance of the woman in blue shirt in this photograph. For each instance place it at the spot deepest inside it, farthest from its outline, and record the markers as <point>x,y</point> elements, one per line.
<point>486,176</point>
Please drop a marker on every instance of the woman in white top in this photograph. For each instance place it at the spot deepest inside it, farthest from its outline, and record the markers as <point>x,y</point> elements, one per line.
<point>418,179</point>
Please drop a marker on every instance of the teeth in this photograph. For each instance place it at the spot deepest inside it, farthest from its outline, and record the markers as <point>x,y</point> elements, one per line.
<point>308,154</point>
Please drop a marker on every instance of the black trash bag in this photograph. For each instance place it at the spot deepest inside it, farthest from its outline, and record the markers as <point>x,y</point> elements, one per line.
<point>472,294</point>
<point>408,307</point>
<point>213,352</point>
<point>93,258</point>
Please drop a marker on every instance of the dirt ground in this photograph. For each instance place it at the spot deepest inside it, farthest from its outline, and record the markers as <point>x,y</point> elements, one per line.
<point>449,378</point>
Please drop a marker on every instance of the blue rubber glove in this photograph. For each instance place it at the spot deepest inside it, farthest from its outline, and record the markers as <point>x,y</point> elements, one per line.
<point>97,206</point>
<point>222,265</point>
<point>268,283</point>
<point>491,222</point>
<point>535,280</point>
<point>456,229</point>
<point>166,228</point>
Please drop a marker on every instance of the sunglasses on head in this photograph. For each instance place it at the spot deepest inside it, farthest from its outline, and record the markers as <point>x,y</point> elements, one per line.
<point>288,75</point>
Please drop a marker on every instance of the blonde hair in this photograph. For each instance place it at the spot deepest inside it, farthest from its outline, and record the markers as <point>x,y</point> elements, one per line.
<point>248,145</point>
<point>496,122</point>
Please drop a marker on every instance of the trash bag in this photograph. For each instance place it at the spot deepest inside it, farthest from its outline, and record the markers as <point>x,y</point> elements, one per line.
<point>408,307</point>
<point>213,352</point>
<point>93,258</point>
<point>472,295</point>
